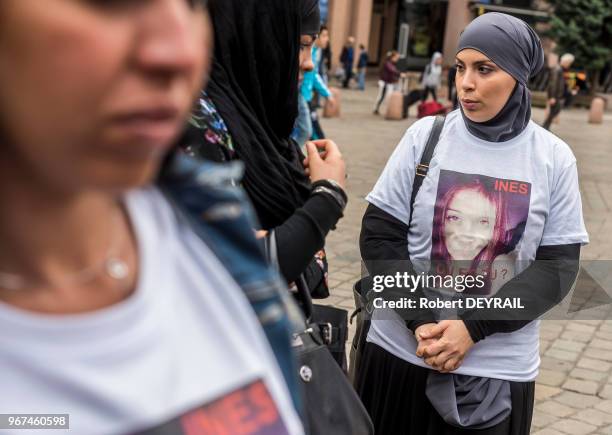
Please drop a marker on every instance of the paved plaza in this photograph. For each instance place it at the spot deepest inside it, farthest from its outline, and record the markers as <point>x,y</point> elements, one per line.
<point>574,388</point>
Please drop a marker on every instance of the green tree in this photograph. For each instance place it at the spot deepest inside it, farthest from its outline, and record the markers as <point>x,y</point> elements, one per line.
<point>584,28</point>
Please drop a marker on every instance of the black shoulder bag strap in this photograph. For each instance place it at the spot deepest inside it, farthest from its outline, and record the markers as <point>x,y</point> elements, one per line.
<point>423,167</point>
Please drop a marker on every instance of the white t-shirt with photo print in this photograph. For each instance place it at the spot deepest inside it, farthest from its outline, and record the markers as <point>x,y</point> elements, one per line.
<point>531,180</point>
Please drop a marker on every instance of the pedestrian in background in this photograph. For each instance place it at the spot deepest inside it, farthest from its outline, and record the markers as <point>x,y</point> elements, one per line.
<point>347,59</point>
<point>362,66</point>
<point>302,130</point>
<point>314,86</point>
<point>323,57</point>
<point>452,89</point>
<point>558,90</point>
<point>326,61</point>
<point>432,77</point>
<point>389,77</point>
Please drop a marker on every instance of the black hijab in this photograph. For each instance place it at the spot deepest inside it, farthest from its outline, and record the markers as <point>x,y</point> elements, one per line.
<point>515,47</point>
<point>310,17</point>
<point>254,86</point>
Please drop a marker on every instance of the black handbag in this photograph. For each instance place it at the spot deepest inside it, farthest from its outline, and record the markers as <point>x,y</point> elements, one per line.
<point>333,326</point>
<point>362,288</point>
<point>331,405</point>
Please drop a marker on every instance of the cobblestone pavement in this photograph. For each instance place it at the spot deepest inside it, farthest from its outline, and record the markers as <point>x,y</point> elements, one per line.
<point>574,388</point>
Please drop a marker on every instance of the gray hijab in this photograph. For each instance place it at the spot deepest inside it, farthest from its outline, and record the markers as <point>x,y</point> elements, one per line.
<point>514,47</point>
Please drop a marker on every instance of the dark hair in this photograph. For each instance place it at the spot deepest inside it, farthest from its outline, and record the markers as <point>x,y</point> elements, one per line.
<point>500,236</point>
<point>361,46</point>
<point>323,27</point>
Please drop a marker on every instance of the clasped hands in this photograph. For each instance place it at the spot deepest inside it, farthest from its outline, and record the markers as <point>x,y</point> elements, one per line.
<point>443,345</point>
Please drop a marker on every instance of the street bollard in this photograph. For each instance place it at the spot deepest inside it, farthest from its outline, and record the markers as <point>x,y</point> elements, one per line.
<point>332,109</point>
<point>394,106</point>
<point>597,110</point>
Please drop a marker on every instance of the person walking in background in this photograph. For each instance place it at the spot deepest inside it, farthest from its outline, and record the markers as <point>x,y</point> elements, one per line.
<point>347,58</point>
<point>314,85</point>
<point>557,89</point>
<point>389,76</point>
<point>452,90</point>
<point>302,129</point>
<point>311,84</point>
<point>323,54</point>
<point>362,65</point>
<point>307,124</point>
<point>326,59</point>
<point>432,77</point>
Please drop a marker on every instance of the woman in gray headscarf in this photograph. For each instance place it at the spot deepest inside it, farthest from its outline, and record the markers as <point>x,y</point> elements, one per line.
<point>498,189</point>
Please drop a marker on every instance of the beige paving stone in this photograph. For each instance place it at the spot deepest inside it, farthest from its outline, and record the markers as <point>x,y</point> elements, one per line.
<point>605,355</point>
<point>577,336</point>
<point>573,326</point>
<point>606,392</point>
<point>605,406</point>
<point>347,304</point>
<point>594,364</point>
<point>563,355</point>
<point>546,432</point>
<point>573,427</point>
<point>333,283</point>
<point>331,300</point>
<point>541,420</point>
<point>551,378</point>
<point>581,386</point>
<point>601,344</point>
<point>606,326</point>
<point>548,334</point>
<point>555,408</point>
<point>589,375</point>
<point>543,392</point>
<point>577,400</point>
<point>604,335</point>
<point>551,363</point>
<point>594,417</point>
<point>549,325</point>
<point>544,345</point>
<point>342,292</point>
<point>344,276</point>
<point>572,346</point>
<point>592,322</point>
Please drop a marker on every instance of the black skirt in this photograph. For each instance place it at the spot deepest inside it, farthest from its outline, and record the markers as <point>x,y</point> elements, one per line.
<point>393,392</point>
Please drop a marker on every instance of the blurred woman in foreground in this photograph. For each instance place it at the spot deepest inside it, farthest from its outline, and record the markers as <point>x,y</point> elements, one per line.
<point>110,308</point>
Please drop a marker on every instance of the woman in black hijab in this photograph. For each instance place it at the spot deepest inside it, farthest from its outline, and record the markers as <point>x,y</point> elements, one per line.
<point>260,49</point>
<point>429,373</point>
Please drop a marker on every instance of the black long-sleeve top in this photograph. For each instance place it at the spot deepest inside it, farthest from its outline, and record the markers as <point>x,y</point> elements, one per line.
<point>542,285</point>
<point>301,236</point>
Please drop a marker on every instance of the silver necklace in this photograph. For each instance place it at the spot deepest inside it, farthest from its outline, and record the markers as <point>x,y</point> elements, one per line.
<point>112,266</point>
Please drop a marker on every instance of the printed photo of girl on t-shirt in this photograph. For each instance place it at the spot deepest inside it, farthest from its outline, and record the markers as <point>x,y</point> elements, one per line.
<point>478,222</point>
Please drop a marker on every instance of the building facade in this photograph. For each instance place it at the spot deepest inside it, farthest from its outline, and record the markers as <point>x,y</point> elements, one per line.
<point>416,28</point>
